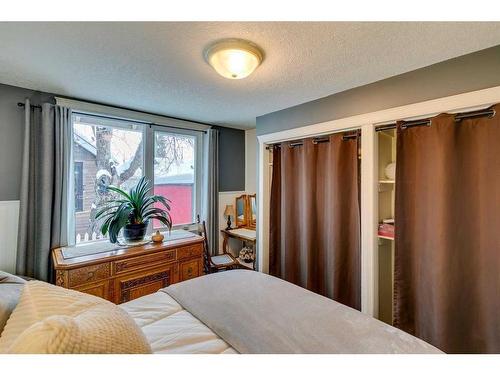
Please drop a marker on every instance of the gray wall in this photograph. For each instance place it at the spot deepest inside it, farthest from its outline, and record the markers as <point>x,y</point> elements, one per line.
<point>466,73</point>
<point>12,136</point>
<point>231,159</point>
<point>231,145</point>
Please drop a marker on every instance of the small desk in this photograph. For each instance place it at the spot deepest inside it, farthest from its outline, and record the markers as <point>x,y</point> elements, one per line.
<point>243,234</point>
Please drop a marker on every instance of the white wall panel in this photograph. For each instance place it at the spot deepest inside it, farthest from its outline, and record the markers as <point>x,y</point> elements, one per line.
<point>9,218</point>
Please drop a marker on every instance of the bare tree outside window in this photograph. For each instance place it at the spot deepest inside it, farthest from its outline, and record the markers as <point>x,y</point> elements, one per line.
<point>113,155</point>
<point>172,150</point>
<point>109,155</point>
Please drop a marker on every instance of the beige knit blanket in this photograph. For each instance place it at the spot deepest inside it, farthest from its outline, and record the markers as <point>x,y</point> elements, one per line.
<point>257,313</point>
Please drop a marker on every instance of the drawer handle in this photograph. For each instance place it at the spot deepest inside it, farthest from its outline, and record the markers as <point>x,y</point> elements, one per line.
<point>190,271</point>
<point>90,275</point>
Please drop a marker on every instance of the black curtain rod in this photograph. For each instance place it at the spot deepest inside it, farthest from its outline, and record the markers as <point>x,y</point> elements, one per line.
<point>409,124</point>
<point>350,136</point>
<point>31,105</point>
<point>316,140</point>
<point>136,110</point>
<point>427,121</point>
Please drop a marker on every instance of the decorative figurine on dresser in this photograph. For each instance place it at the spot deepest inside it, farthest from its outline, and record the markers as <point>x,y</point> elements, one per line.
<point>245,219</point>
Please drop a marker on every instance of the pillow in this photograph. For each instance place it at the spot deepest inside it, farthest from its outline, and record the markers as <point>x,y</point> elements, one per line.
<point>10,290</point>
<point>51,319</point>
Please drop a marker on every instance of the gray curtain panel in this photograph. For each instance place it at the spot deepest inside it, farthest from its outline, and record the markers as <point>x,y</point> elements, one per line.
<point>43,218</point>
<point>211,189</point>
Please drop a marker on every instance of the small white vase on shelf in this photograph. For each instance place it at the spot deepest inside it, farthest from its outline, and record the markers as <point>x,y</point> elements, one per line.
<point>390,171</point>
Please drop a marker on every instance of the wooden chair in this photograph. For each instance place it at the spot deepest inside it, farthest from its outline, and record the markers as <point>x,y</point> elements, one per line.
<point>215,263</point>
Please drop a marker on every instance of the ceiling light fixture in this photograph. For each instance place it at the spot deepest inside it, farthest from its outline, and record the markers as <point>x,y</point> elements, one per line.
<point>234,58</point>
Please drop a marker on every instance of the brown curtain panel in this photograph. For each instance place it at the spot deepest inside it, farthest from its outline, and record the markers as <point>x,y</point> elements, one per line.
<point>447,259</point>
<point>275,215</point>
<point>315,217</point>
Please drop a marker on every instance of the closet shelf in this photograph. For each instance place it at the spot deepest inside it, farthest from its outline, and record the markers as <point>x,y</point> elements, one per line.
<point>389,133</point>
<point>386,238</point>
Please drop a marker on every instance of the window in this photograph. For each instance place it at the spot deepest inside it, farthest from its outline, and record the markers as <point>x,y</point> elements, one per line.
<point>110,152</point>
<point>116,152</point>
<point>174,174</point>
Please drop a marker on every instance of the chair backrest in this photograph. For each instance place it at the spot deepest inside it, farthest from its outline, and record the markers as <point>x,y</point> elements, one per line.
<point>202,231</point>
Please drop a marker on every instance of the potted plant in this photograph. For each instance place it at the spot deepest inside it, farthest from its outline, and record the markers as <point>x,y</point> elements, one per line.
<point>132,212</point>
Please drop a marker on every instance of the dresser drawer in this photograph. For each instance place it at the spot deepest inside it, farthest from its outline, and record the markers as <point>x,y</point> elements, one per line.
<point>100,289</point>
<point>144,261</point>
<point>141,284</point>
<point>89,274</point>
<point>190,269</point>
<point>190,251</point>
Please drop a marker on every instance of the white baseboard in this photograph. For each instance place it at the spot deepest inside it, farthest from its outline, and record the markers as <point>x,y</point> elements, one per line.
<point>9,218</point>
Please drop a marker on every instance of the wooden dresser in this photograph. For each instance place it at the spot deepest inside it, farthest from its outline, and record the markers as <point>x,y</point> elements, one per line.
<point>123,274</point>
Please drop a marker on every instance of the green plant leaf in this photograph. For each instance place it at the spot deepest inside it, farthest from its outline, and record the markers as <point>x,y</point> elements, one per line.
<point>118,191</point>
<point>120,219</point>
<point>166,221</point>
<point>135,207</point>
<point>107,208</point>
<point>143,188</point>
<point>105,225</point>
<point>156,199</point>
<point>153,211</point>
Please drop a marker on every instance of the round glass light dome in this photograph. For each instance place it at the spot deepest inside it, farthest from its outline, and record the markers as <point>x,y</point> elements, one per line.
<point>234,58</point>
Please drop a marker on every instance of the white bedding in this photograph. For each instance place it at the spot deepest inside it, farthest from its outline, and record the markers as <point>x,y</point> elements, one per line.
<point>171,329</point>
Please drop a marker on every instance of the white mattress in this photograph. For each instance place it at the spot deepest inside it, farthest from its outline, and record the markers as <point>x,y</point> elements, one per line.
<point>171,329</point>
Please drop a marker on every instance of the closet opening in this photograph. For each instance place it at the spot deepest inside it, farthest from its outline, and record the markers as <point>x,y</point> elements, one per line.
<point>386,140</point>
<point>386,241</point>
<point>315,226</point>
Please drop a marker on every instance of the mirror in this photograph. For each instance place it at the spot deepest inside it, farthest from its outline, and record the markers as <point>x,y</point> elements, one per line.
<point>241,209</point>
<point>246,211</point>
<point>252,211</point>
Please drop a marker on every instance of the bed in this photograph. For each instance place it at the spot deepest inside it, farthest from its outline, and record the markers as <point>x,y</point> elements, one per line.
<point>243,311</point>
<point>170,328</point>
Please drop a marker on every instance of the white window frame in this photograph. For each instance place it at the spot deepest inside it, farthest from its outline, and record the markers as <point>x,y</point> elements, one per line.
<point>129,125</point>
<point>198,176</point>
<point>149,123</point>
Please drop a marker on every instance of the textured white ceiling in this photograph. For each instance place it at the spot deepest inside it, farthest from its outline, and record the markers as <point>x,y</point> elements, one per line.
<point>159,67</point>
